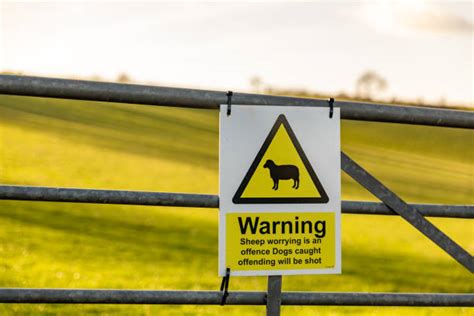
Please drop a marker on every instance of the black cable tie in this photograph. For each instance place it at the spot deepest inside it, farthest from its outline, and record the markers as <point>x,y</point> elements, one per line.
<point>225,285</point>
<point>229,102</point>
<point>331,107</point>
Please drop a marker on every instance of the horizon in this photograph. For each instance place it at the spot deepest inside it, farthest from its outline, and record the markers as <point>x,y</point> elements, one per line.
<point>224,45</point>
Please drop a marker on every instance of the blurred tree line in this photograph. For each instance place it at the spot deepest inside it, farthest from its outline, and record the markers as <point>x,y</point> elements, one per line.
<point>369,87</point>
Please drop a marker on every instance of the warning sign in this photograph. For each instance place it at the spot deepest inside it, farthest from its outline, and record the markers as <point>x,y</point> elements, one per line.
<point>277,171</point>
<point>279,191</point>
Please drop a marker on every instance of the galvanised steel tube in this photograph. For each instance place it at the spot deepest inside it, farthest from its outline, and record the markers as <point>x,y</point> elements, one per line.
<point>433,210</point>
<point>32,193</point>
<point>377,299</point>
<point>70,296</point>
<point>152,95</point>
<point>407,212</point>
<point>406,114</point>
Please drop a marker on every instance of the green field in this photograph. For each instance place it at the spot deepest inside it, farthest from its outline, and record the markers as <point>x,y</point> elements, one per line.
<point>48,142</point>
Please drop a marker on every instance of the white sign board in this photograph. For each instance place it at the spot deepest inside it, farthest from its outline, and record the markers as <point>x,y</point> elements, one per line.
<point>280,183</point>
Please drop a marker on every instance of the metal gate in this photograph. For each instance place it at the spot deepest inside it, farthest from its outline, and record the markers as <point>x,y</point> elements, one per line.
<point>274,297</point>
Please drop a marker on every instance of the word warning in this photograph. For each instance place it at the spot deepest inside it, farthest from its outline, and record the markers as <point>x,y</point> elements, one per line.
<point>279,191</point>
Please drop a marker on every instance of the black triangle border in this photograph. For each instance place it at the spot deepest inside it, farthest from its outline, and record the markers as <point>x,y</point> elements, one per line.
<point>237,199</point>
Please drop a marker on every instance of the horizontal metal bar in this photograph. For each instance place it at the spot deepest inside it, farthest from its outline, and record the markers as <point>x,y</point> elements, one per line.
<point>49,194</point>
<point>153,95</point>
<point>432,210</point>
<point>416,115</point>
<point>377,299</point>
<point>30,193</point>
<point>70,296</point>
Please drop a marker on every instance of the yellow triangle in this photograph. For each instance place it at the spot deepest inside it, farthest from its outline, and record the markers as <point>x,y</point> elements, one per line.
<point>280,173</point>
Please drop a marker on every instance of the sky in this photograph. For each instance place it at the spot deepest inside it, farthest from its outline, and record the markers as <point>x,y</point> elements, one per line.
<point>423,49</point>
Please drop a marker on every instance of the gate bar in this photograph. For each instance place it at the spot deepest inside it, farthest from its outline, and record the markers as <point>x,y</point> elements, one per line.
<point>50,194</point>
<point>82,296</point>
<point>165,96</point>
<point>408,212</point>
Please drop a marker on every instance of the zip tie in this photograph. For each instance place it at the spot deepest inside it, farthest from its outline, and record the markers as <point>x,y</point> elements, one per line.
<point>229,102</point>
<point>225,285</point>
<point>331,106</point>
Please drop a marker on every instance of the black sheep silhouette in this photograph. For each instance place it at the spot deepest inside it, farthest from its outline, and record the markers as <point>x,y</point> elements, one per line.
<point>283,172</point>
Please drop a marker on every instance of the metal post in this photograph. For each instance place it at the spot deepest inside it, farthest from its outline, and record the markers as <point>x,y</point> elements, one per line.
<point>274,295</point>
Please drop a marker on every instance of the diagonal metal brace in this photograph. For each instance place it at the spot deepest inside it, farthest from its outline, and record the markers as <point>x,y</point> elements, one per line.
<point>408,212</point>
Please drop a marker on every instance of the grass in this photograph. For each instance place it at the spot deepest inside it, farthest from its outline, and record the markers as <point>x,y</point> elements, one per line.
<point>116,146</point>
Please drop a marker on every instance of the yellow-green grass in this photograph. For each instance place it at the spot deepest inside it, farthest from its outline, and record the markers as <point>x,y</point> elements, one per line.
<point>97,145</point>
